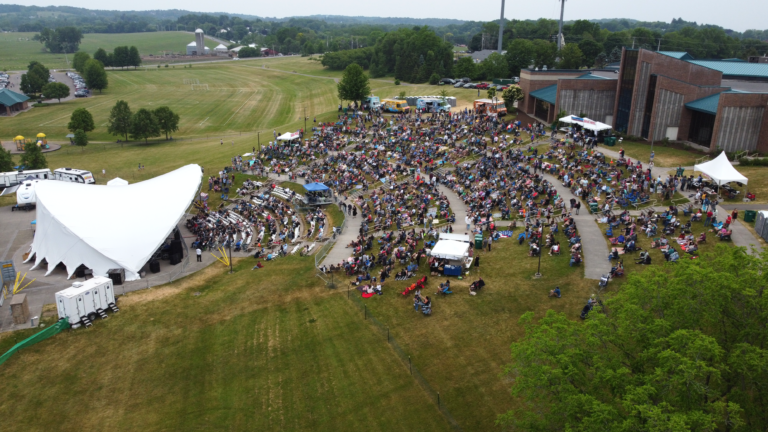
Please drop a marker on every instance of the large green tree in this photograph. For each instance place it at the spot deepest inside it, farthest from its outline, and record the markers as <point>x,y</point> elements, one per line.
<point>167,119</point>
<point>591,50</point>
<point>134,59</point>
<point>60,39</point>
<point>36,77</point>
<point>79,61</point>
<point>6,160</point>
<point>55,90</point>
<point>81,139</point>
<point>544,53</point>
<point>102,56</point>
<point>144,125</point>
<point>571,57</point>
<point>511,95</point>
<point>495,66</point>
<point>81,119</point>
<point>119,122</point>
<point>680,347</point>
<point>33,157</point>
<point>354,84</point>
<point>465,68</point>
<point>520,54</point>
<point>95,76</point>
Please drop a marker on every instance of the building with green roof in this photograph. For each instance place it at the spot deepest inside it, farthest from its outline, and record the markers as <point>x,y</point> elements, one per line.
<point>12,102</point>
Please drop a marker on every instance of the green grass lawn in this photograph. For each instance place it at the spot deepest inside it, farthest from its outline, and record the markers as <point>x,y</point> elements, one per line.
<point>274,349</point>
<point>237,98</point>
<point>18,49</point>
<point>259,350</point>
<point>664,156</point>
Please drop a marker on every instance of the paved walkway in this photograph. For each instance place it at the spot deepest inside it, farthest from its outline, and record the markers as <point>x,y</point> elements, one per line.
<point>595,248</point>
<point>741,235</point>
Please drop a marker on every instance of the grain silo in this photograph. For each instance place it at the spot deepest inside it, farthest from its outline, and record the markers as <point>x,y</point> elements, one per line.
<point>200,41</point>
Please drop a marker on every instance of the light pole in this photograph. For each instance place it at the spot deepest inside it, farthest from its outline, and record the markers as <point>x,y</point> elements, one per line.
<point>538,270</point>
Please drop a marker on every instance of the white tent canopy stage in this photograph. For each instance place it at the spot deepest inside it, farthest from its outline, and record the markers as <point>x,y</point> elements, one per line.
<point>720,170</point>
<point>108,227</point>
<point>289,136</point>
<point>117,181</point>
<point>586,123</point>
<point>451,250</point>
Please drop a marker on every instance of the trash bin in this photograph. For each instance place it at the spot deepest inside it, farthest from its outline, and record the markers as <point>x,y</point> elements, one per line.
<point>610,141</point>
<point>749,215</point>
<point>478,241</point>
<point>593,208</point>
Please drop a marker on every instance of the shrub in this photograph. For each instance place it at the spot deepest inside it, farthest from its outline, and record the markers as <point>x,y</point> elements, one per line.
<point>397,82</point>
<point>166,65</point>
<point>434,79</point>
<point>759,162</point>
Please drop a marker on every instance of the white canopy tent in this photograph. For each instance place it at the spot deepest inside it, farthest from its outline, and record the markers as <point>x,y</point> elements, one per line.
<point>586,123</point>
<point>107,227</point>
<point>451,250</point>
<point>720,170</point>
<point>117,181</point>
<point>463,238</point>
<point>289,136</point>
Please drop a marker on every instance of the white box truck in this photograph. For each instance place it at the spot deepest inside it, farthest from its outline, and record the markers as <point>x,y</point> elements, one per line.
<point>84,301</point>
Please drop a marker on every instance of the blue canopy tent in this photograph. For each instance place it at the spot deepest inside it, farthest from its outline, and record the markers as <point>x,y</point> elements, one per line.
<point>315,187</point>
<point>317,194</point>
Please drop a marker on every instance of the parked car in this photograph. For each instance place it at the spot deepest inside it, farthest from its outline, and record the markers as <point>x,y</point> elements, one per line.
<point>482,86</point>
<point>469,86</point>
<point>516,79</point>
<point>466,80</point>
<point>459,84</point>
<point>447,81</point>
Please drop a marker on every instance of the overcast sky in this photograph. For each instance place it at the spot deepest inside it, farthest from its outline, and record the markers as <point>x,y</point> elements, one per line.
<point>738,15</point>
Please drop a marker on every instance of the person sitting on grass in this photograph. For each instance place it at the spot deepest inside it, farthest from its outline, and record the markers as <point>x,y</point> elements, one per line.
<point>555,292</point>
<point>446,288</point>
<point>258,265</point>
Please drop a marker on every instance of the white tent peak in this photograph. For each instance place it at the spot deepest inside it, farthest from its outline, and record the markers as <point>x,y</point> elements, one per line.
<point>586,123</point>
<point>117,181</point>
<point>289,136</point>
<point>720,170</point>
<point>107,227</point>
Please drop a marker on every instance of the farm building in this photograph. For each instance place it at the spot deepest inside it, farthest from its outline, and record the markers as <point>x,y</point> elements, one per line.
<point>192,49</point>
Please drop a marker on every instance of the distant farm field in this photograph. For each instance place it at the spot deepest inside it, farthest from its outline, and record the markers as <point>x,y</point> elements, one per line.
<point>18,49</point>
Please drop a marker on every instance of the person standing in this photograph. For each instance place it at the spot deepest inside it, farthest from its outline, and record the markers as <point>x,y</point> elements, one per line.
<point>199,255</point>
<point>578,206</point>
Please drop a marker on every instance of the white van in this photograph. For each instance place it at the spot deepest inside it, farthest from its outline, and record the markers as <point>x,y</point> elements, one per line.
<point>84,301</point>
<point>73,175</point>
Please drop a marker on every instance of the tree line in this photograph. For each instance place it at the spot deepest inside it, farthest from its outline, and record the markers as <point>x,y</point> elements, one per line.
<point>678,347</point>
<point>121,56</point>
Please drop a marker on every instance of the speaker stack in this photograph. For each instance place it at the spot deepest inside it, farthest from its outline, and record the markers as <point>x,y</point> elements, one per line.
<point>117,275</point>
<point>154,266</point>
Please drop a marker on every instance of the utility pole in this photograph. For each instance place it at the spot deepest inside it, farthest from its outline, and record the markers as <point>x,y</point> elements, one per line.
<point>658,48</point>
<point>501,25</point>
<point>560,32</point>
<point>633,42</point>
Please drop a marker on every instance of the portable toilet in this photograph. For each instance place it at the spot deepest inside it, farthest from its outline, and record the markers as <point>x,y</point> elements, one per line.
<point>761,224</point>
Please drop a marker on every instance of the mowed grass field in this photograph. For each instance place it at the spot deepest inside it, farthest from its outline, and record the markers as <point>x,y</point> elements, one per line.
<point>18,49</point>
<point>273,349</point>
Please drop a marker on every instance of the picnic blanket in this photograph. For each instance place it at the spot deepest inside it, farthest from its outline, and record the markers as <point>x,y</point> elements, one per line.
<point>505,234</point>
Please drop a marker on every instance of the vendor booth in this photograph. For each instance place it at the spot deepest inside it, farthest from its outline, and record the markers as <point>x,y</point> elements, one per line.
<point>721,172</point>
<point>454,254</point>
<point>598,129</point>
<point>289,136</point>
<point>317,194</point>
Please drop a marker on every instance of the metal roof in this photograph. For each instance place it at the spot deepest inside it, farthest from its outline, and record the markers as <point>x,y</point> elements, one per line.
<point>680,55</point>
<point>8,97</point>
<point>593,77</point>
<point>706,105</point>
<point>734,69</point>
<point>547,94</point>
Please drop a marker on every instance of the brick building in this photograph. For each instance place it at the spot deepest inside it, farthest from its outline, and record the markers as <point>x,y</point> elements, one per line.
<point>656,95</point>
